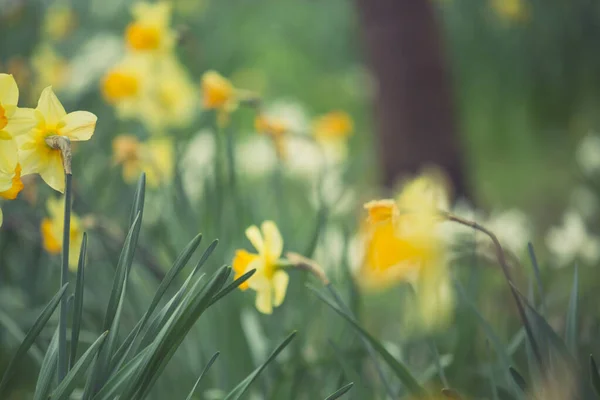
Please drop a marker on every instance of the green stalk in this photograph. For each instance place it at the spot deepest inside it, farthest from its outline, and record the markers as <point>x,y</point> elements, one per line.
<point>63,361</point>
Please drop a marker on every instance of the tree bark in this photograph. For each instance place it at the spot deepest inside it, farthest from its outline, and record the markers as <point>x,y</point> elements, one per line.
<point>414,105</point>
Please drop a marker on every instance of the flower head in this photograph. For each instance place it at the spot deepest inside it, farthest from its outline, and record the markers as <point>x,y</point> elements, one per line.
<point>403,243</point>
<point>332,131</point>
<point>269,281</point>
<point>154,157</point>
<point>52,231</point>
<point>126,84</point>
<point>150,29</point>
<point>36,156</point>
<point>217,92</point>
<point>16,185</point>
<point>275,129</point>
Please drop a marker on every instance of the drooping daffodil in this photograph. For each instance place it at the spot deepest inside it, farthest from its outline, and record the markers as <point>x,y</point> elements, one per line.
<point>270,281</point>
<point>35,155</point>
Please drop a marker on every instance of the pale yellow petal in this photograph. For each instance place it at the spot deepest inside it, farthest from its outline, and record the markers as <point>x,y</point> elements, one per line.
<point>79,125</point>
<point>280,284</point>
<point>264,302</point>
<point>30,161</point>
<point>254,236</point>
<point>21,122</point>
<point>9,92</point>
<point>50,107</point>
<point>6,180</point>
<point>8,156</point>
<point>273,241</point>
<point>1,217</point>
<point>53,173</point>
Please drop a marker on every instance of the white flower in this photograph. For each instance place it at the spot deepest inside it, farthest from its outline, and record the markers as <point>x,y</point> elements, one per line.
<point>304,158</point>
<point>330,250</point>
<point>332,193</point>
<point>588,154</point>
<point>572,241</point>
<point>255,156</point>
<point>512,228</point>
<point>290,113</point>
<point>197,163</point>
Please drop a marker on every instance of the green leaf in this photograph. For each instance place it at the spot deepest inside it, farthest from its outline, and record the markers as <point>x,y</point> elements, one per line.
<point>78,302</point>
<point>243,386</point>
<point>68,384</point>
<point>232,286</point>
<point>538,275</point>
<point>12,328</point>
<point>399,369</point>
<point>594,376</point>
<point>30,339</point>
<point>340,392</point>
<point>571,320</point>
<point>123,376</point>
<point>47,370</point>
<point>349,371</point>
<point>518,379</point>
<point>208,365</point>
<point>138,199</point>
<point>451,394</point>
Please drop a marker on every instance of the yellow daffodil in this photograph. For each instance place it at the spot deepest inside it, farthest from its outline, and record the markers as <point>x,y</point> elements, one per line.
<point>513,10</point>
<point>332,131</point>
<point>403,243</point>
<point>49,68</point>
<point>219,94</point>
<point>59,21</point>
<point>150,31</point>
<point>275,129</point>
<point>155,158</point>
<point>171,100</point>
<point>36,156</point>
<point>127,84</point>
<point>269,281</point>
<point>14,122</point>
<point>52,231</point>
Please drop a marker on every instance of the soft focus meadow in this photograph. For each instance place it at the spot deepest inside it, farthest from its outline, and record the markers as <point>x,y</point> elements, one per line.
<point>192,205</point>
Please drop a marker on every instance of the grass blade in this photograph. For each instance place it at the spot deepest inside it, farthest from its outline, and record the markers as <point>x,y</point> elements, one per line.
<point>518,379</point>
<point>48,370</point>
<point>30,338</point>
<point>138,199</point>
<point>594,375</point>
<point>399,369</point>
<point>78,302</point>
<point>68,384</point>
<point>571,320</point>
<point>340,392</point>
<point>241,388</point>
<point>232,286</point>
<point>204,371</point>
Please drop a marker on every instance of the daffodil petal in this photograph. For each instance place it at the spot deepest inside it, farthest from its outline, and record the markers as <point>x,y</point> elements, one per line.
<point>273,242</point>
<point>8,156</point>
<point>79,125</point>
<point>22,121</point>
<point>1,217</point>
<point>30,162</point>
<point>53,173</point>
<point>5,181</point>
<point>264,302</point>
<point>280,284</point>
<point>9,92</point>
<point>254,236</point>
<point>50,107</point>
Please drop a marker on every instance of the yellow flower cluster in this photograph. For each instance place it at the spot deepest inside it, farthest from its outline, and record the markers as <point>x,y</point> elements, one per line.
<point>149,83</point>
<point>403,243</point>
<point>24,150</point>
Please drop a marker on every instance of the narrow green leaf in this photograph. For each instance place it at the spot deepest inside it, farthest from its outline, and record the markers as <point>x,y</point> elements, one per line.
<point>538,275</point>
<point>232,286</point>
<point>571,320</point>
<point>78,302</point>
<point>30,338</point>
<point>594,376</point>
<point>68,384</point>
<point>13,328</point>
<point>451,394</point>
<point>138,199</point>
<point>349,372</point>
<point>204,371</point>
<point>518,379</point>
<point>243,386</point>
<point>45,378</point>
<point>399,369</point>
<point>340,392</point>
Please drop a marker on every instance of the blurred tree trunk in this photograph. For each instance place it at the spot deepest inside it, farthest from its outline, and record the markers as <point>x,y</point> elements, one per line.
<point>414,103</point>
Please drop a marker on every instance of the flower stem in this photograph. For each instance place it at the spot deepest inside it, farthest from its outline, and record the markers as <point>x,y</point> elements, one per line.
<point>504,265</point>
<point>64,277</point>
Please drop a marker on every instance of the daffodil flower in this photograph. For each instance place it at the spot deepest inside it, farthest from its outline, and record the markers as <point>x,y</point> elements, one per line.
<point>332,131</point>
<point>403,243</point>
<point>14,122</point>
<point>154,157</point>
<point>269,281</point>
<point>52,231</point>
<point>275,129</point>
<point>218,94</point>
<point>150,31</point>
<point>14,186</point>
<point>36,156</point>
<point>127,84</point>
